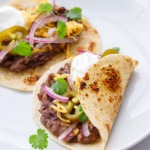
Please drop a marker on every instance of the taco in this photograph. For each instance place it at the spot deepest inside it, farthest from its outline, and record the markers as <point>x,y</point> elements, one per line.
<point>78,108</point>
<point>47,35</point>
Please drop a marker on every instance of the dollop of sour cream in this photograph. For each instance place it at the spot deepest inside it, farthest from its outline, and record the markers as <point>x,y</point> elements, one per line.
<point>9,16</point>
<point>81,64</point>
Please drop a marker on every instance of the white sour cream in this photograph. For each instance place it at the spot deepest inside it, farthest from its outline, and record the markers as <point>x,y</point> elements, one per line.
<point>81,64</point>
<point>9,17</point>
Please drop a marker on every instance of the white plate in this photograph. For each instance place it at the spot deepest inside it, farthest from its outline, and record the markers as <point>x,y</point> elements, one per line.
<point>123,23</point>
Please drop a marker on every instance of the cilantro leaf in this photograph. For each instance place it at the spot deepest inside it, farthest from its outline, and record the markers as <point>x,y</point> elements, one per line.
<point>45,7</point>
<point>60,86</point>
<point>23,49</point>
<point>39,140</point>
<point>116,48</point>
<point>61,29</point>
<point>75,13</point>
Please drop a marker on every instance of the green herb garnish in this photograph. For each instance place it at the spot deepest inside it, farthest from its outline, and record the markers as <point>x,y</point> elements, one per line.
<point>82,116</point>
<point>75,13</point>
<point>23,49</point>
<point>39,140</point>
<point>60,86</point>
<point>45,7</point>
<point>61,29</point>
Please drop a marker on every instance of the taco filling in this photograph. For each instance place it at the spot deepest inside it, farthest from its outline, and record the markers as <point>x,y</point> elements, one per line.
<point>63,116</point>
<point>48,30</point>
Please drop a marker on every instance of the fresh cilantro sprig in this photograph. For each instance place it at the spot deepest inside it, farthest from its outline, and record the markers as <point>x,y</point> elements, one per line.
<point>60,86</point>
<point>23,49</point>
<point>39,140</point>
<point>45,7</point>
<point>61,29</point>
<point>75,13</point>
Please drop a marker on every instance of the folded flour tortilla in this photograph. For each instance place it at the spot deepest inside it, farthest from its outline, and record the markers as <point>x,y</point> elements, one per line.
<point>100,92</point>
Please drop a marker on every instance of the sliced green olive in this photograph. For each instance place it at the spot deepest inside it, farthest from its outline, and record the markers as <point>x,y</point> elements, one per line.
<point>73,117</point>
<point>109,51</point>
<point>68,106</point>
<point>70,94</point>
<point>12,33</point>
<point>75,100</point>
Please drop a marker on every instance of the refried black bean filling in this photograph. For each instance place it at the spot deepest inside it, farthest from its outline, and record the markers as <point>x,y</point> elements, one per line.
<point>16,63</point>
<point>50,120</point>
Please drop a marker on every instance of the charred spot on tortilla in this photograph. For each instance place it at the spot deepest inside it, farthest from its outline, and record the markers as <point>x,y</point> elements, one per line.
<point>116,106</point>
<point>116,102</point>
<point>99,99</point>
<point>120,97</point>
<point>31,80</point>
<point>112,81</point>
<point>107,127</point>
<point>111,99</point>
<point>94,86</point>
<point>92,46</point>
<point>82,85</point>
<point>95,65</point>
<point>86,94</point>
<point>86,76</point>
